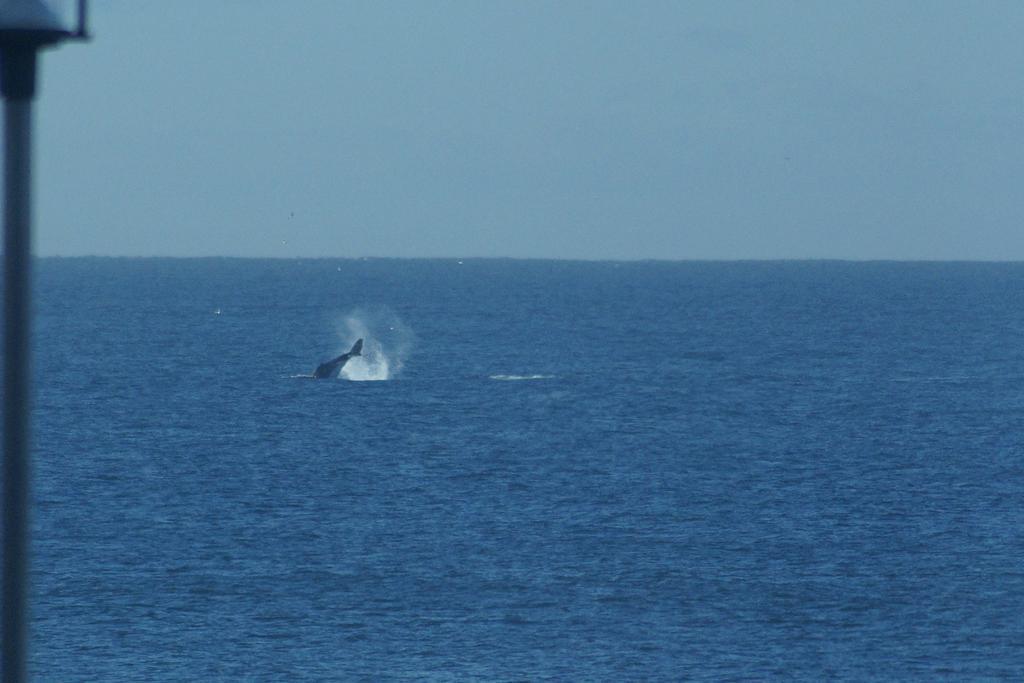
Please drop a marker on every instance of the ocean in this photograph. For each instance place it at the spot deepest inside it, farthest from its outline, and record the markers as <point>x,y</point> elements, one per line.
<point>538,470</point>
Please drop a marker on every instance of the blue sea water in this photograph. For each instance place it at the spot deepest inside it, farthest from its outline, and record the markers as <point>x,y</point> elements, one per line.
<point>565,471</point>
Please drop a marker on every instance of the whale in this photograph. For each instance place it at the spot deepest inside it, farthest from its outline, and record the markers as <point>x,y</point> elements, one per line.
<point>332,367</point>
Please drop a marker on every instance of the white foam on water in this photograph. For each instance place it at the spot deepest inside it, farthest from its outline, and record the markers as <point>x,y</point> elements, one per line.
<point>513,378</point>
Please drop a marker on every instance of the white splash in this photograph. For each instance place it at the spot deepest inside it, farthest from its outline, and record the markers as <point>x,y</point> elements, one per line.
<point>372,366</point>
<point>386,344</point>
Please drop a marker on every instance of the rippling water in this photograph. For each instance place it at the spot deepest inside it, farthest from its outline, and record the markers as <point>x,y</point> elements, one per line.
<point>566,471</point>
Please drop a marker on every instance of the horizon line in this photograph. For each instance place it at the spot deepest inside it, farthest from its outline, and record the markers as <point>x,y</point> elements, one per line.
<point>460,259</point>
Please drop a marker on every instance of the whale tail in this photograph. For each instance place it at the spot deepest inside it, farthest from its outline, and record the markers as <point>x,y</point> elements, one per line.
<point>332,367</point>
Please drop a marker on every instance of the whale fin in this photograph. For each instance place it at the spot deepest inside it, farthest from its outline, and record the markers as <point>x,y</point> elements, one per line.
<point>332,367</point>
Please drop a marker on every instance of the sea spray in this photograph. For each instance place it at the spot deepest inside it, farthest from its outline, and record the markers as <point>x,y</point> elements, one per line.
<point>387,342</point>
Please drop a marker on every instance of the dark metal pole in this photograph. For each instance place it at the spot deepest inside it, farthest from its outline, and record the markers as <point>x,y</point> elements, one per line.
<point>25,28</point>
<point>17,82</point>
<point>17,264</point>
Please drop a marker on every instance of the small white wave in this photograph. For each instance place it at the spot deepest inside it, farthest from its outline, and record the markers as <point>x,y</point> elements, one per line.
<point>513,378</point>
<point>950,378</point>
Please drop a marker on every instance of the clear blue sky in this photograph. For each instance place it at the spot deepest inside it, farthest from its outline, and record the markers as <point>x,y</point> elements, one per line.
<point>557,129</point>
